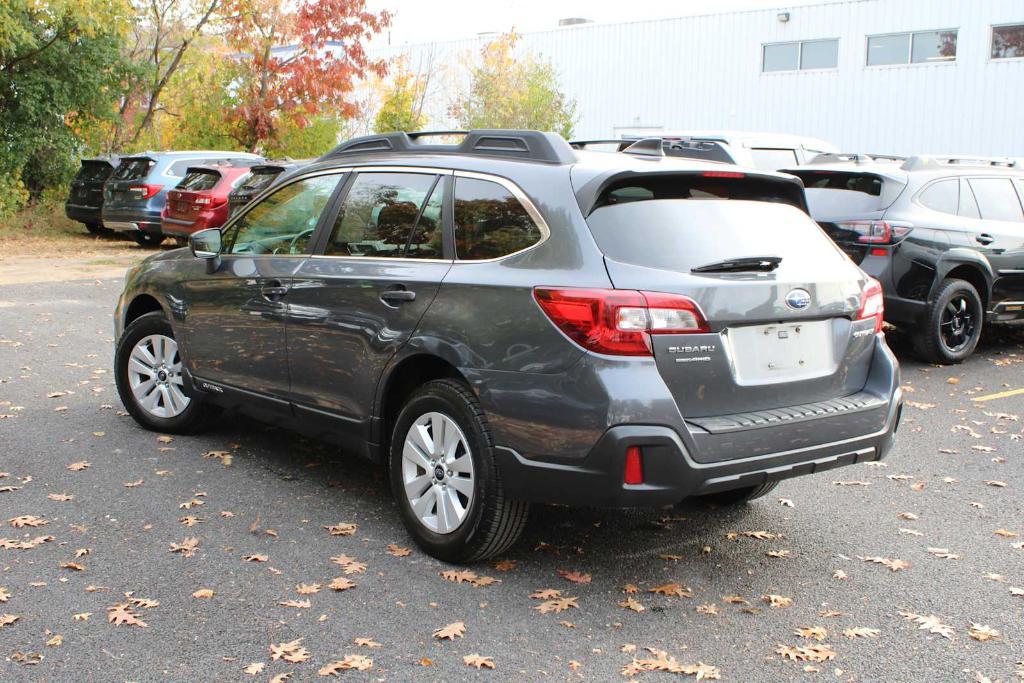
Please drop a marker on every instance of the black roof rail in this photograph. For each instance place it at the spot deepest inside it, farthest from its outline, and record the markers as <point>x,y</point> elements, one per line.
<point>528,145</point>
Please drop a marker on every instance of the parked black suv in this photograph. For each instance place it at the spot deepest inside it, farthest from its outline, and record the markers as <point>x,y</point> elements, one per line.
<point>85,198</point>
<point>944,236</point>
<point>507,320</point>
<point>261,176</point>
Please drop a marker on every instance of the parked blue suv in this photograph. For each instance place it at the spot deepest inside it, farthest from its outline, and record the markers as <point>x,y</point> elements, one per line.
<point>135,194</point>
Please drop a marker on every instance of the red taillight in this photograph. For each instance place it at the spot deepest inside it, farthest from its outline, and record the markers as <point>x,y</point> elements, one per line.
<point>877,232</point>
<point>634,472</point>
<point>145,191</point>
<point>872,303</point>
<point>723,174</point>
<point>619,321</point>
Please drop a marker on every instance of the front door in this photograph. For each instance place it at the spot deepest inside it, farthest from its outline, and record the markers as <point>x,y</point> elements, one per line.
<point>235,317</point>
<point>1000,235</point>
<point>359,298</point>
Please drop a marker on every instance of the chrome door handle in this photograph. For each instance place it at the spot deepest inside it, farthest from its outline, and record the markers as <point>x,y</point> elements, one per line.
<point>393,297</point>
<point>273,290</point>
<point>985,238</point>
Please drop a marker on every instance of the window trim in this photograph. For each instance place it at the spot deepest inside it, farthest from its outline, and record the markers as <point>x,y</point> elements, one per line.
<point>991,39</point>
<point>800,55</point>
<point>1014,185</point>
<point>924,188</point>
<point>267,191</point>
<point>531,211</point>
<point>910,48</point>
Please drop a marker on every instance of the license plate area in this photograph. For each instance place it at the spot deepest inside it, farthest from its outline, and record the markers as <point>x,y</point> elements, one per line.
<point>782,352</point>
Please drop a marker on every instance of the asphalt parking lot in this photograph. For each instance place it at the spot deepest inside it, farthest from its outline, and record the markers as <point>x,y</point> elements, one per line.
<point>908,571</point>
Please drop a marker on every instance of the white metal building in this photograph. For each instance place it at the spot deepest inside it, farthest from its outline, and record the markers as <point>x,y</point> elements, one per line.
<point>894,76</point>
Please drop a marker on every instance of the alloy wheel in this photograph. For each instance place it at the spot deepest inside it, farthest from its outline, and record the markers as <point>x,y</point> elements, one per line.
<point>958,323</point>
<point>154,375</point>
<point>437,472</point>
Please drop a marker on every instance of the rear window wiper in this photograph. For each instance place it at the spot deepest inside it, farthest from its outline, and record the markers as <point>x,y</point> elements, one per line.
<point>737,265</point>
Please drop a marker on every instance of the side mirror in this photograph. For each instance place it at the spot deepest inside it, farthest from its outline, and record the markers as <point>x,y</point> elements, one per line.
<point>206,244</point>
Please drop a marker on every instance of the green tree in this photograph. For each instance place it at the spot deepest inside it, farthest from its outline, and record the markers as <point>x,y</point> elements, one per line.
<point>513,90</point>
<point>402,98</point>
<point>60,74</point>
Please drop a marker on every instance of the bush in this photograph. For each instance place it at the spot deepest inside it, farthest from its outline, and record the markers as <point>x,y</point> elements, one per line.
<point>13,195</point>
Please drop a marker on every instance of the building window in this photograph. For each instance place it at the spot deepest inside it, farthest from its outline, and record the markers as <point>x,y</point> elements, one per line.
<point>1008,41</point>
<point>801,55</point>
<point>920,47</point>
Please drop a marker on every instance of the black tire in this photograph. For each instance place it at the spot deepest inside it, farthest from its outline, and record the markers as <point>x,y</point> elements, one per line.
<point>936,341</point>
<point>738,496</point>
<point>96,229</point>
<point>493,523</point>
<point>191,418</point>
<point>147,239</point>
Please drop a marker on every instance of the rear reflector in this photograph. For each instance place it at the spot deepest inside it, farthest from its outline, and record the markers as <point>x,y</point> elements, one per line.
<point>872,303</point>
<point>619,321</point>
<point>634,473</point>
<point>879,252</point>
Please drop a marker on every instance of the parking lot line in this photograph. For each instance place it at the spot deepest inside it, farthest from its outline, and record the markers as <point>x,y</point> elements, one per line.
<point>1001,394</point>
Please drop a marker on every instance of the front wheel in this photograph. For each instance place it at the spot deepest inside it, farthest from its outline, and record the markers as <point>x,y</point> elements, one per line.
<point>952,325</point>
<point>445,478</point>
<point>146,239</point>
<point>150,378</point>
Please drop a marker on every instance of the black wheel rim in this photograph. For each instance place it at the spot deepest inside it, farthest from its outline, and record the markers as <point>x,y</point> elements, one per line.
<point>959,323</point>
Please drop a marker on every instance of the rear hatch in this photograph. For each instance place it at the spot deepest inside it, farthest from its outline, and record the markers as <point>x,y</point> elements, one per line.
<point>782,304</point>
<point>194,194</point>
<point>849,205</point>
<point>87,187</point>
<point>127,187</point>
<point>258,180</point>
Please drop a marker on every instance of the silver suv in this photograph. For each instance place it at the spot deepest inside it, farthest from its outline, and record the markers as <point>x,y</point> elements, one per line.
<point>944,236</point>
<point>506,320</point>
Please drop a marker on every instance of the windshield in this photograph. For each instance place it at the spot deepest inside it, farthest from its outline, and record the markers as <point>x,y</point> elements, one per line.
<point>94,170</point>
<point>197,181</point>
<point>679,234</point>
<point>259,180</point>
<point>832,194</point>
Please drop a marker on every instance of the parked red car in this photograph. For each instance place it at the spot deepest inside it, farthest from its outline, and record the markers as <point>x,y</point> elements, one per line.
<point>200,200</point>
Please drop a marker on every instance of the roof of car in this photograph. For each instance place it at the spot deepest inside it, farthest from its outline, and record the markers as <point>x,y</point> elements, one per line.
<point>900,168</point>
<point>787,140</point>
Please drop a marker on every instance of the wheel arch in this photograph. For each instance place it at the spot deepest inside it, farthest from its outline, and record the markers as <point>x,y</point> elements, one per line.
<point>399,382</point>
<point>140,305</point>
<point>968,265</point>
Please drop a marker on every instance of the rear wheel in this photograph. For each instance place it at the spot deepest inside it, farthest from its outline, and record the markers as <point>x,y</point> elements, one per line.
<point>445,478</point>
<point>150,378</point>
<point>96,229</point>
<point>146,239</point>
<point>952,325</point>
<point>738,496</point>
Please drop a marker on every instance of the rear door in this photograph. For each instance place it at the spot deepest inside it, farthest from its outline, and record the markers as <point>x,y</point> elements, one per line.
<point>358,300</point>
<point>181,201</point>
<point>999,234</point>
<point>235,317</point>
<point>779,336</point>
<point>87,187</point>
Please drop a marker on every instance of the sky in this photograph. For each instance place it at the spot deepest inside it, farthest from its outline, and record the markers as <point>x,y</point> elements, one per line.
<point>420,21</point>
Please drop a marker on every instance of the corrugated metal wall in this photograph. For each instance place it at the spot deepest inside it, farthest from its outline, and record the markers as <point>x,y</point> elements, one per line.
<point>705,72</point>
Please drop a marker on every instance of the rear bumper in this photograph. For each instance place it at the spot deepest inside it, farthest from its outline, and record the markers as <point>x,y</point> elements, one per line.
<point>670,474</point>
<point>83,213</point>
<point>132,221</point>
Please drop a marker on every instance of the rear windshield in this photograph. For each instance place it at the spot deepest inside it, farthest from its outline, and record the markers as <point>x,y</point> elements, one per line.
<point>259,180</point>
<point>724,184</point>
<point>675,234</point>
<point>197,181</point>
<point>133,169</point>
<point>773,159</point>
<point>841,194</point>
<point>94,170</point>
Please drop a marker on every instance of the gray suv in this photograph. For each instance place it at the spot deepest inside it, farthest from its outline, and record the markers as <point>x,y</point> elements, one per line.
<point>507,320</point>
<point>944,236</point>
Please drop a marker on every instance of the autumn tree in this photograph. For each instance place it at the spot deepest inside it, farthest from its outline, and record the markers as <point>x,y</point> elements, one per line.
<point>298,61</point>
<point>163,33</point>
<point>60,70</point>
<point>403,95</point>
<point>512,89</point>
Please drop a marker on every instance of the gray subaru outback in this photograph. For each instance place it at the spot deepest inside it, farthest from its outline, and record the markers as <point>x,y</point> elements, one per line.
<point>507,320</point>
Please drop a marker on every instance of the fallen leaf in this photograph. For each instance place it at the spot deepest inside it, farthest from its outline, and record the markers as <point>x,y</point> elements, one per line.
<point>203,593</point>
<point>60,497</point>
<point>8,619</point>
<point>291,651</point>
<point>356,662</point>
<point>574,576</point>
<point>342,529</point>
<point>299,604</point>
<point>256,558</point>
<point>672,589</point>
<point>556,605</point>
<point>930,623</point>
<point>812,632</point>
<point>187,547</point>
<point>340,584</point>
<point>398,551</point>
<point>451,631</point>
<point>366,642</point>
<point>893,565</point>
<point>633,604</point>
<point>809,653</point>
<point>27,520</point>
<point>254,668</point>
<point>478,661</point>
<point>547,594</point>
<point>121,614</point>
<point>982,633</point>
<point>79,466</point>
<point>777,601</point>
<point>861,632</point>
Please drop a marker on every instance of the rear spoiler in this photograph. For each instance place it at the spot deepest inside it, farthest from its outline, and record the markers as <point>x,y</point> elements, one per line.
<point>706,150</point>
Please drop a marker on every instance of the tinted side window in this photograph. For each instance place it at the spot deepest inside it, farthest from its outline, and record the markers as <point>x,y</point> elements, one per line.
<point>133,169</point>
<point>943,196</point>
<point>283,222</point>
<point>489,221</point>
<point>425,241</point>
<point>379,213</point>
<point>197,181</point>
<point>968,206</point>
<point>997,199</point>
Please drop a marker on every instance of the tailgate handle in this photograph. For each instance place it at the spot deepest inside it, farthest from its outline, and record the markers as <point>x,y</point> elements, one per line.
<point>985,238</point>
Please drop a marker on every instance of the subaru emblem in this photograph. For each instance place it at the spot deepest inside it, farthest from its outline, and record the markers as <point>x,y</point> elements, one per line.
<point>798,299</point>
